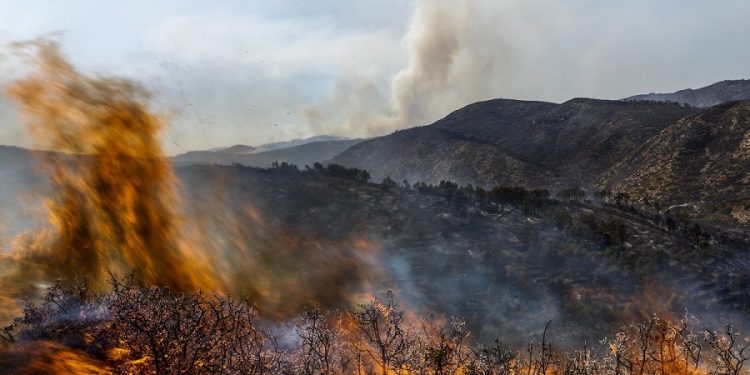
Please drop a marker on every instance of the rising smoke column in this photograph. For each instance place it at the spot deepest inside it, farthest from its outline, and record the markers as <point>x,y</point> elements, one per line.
<point>434,40</point>
<point>113,206</point>
<point>456,55</point>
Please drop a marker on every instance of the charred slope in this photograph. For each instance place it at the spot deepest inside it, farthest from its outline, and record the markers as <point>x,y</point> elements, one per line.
<point>532,144</point>
<point>506,260</point>
<point>432,154</point>
<point>698,165</point>
<point>717,93</point>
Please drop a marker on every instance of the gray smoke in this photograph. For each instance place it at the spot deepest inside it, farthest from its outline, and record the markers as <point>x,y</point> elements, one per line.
<point>442,59</point>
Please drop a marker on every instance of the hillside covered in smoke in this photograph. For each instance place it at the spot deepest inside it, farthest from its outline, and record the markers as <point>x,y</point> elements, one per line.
<point>505,262</point>
<point>505,259</point>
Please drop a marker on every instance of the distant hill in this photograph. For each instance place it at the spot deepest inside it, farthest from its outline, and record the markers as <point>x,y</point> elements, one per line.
<point>297,142</point>
<point>237,149</point>
<point>717,93</point>
<point>299,152</point>
<point>245,149</point>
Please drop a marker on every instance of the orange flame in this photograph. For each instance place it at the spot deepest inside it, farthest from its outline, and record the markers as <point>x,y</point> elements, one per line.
<point>114,200</point>
<point>114,208</point>
<point>46,357</point>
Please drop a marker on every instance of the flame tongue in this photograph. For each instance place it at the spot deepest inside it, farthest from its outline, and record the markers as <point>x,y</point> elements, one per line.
<point>114,207</point>
<point>114,202</point>
<point>46,357</point>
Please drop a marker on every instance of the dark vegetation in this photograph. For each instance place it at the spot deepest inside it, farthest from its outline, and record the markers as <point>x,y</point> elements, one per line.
<point>506,259</point>
<point>333,170</point>
<point>497,258</point>
<point>540,203</point>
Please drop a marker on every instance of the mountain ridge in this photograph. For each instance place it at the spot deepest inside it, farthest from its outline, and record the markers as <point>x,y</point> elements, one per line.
<point>647,153</point>
<point>516,136</point>
<point>301,154</point>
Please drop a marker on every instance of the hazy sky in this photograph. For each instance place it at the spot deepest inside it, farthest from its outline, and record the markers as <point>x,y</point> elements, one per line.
<point>252,71</point>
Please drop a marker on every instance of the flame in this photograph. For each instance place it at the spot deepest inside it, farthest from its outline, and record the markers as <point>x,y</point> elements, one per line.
<point>115,208</point>
<point>46,357</point>
<point>114,191</point>
<point>120,355</point>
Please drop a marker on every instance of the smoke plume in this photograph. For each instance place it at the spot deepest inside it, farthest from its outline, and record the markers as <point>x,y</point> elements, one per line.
<point>452,60</point>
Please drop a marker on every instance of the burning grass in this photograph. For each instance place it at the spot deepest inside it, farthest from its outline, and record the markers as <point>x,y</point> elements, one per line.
<point>153,330</point>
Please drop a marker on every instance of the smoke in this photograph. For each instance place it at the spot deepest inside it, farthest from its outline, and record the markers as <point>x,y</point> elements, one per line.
<point>274,263</point>
<point>439,42</point>
<point>454,58</point>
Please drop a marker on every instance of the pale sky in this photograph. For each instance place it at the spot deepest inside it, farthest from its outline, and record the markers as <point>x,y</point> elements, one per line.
<point>252,72</point>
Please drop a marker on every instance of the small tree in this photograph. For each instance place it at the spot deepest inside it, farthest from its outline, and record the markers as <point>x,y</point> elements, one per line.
<point>444,349</point>
<point>386,339</point>
<point>321,348</point>
<point>389,184</point>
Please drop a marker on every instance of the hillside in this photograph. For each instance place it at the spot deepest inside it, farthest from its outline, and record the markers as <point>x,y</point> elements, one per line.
<point>505,262</point>
<point>708,96</point>
<point>697,165</point>
<point>656,155</point>
<point>511,142</point>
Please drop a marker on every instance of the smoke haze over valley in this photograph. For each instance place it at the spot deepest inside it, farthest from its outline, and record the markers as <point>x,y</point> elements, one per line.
<point>427,187</point>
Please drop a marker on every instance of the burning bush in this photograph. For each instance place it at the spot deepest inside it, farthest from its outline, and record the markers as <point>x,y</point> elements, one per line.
<point>153,330</point>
